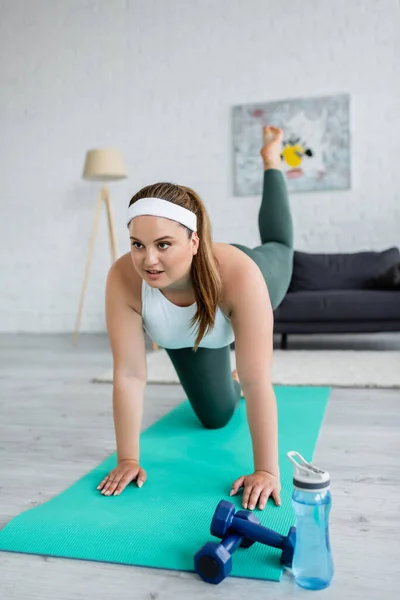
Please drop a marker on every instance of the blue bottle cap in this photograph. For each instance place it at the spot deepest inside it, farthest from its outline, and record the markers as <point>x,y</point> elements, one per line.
<point>307,477</point>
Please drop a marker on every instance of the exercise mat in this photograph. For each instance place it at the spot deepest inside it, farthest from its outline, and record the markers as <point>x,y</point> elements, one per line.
<point>189,469</point>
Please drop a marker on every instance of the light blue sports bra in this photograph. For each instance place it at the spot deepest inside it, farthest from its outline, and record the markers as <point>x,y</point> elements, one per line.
<point>169,325</point>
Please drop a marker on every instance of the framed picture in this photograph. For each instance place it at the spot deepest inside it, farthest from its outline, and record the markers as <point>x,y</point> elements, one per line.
<point>316,143</point>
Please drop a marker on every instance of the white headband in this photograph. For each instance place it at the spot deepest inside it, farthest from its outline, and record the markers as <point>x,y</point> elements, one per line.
<point>162,208</point>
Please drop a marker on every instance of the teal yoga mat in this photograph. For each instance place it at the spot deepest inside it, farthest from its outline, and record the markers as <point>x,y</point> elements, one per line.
<point>190,469</point>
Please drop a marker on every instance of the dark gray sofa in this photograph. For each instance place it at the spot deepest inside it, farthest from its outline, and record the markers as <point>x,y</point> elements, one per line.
<point>341,293</point>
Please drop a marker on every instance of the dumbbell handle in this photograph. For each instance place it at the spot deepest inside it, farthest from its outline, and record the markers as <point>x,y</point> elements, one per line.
<point>255,532</point>
<point>231,542</point>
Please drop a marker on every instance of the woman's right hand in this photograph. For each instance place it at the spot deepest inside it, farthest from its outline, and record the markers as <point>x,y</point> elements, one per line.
<point>116,481</point>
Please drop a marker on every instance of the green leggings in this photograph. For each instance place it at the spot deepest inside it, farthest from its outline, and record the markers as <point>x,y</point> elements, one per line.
<point>205,375</point>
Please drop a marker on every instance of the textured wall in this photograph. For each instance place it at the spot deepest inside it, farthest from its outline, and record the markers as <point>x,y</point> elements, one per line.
<point>157,79</point>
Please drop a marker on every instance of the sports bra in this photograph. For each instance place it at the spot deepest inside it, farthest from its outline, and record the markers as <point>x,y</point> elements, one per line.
<point>169,325</point>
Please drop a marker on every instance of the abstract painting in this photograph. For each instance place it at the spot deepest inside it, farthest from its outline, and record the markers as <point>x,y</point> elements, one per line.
<point>316,143</point>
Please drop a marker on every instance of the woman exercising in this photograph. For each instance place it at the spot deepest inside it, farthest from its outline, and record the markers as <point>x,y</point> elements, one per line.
<point>194,298</point>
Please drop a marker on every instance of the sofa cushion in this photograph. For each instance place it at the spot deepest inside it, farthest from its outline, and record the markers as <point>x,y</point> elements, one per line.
<point>340,305</point>
<point>339,271</point>
<point>389,280</point>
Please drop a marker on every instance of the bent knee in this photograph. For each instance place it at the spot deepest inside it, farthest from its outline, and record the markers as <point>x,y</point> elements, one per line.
<point>216,421</point>
<point>217,424</point>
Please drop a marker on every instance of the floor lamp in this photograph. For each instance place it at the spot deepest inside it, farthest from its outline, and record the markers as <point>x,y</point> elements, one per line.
<point>101,165</point>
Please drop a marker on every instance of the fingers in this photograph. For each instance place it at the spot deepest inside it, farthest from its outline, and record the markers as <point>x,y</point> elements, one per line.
<point>105,483</point>
<point>277,497</point>
<point>141,478</point>
<point>101,484</point>
<point>261,495</point>
<point>253,493</point>
<point>236,486</point>
<point>111,485</point>
<point>123,482</point>
<point>265,494</point>
<point>256,492</point>
<point>119,478</point>
<point>246,494</point>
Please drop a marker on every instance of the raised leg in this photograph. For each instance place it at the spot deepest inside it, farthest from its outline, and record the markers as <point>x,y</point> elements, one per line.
<point>275,255</point>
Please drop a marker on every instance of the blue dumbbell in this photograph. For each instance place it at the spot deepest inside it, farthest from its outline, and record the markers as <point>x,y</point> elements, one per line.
<point>213,562</point>
<point>225,522</point>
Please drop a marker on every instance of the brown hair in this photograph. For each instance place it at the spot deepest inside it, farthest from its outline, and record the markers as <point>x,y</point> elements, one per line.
<point>205,272</point>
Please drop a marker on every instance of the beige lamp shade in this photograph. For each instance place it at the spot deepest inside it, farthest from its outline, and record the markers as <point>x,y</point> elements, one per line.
<point>104,164</point>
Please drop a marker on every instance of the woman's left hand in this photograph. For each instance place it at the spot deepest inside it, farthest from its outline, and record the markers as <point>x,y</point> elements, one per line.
<point>258,487</point>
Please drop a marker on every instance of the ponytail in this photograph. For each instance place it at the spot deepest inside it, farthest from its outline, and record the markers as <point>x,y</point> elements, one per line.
<point>206,277</point>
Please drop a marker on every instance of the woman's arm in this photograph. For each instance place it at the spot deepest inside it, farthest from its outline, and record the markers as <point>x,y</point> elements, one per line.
<point>128,410</point>
<point>247,301</point>
<point>124,326</point>
<point>252,321</point>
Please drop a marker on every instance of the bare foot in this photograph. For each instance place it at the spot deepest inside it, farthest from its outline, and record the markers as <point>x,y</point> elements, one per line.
<point>272,148</point>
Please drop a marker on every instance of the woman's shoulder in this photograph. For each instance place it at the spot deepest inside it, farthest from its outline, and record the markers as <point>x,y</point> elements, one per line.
<point>235,267</point>
<point>124,280</point>
<point>231,260</point>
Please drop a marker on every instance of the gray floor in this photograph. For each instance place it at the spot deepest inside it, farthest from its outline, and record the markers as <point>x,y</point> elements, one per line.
<point>55,426</point>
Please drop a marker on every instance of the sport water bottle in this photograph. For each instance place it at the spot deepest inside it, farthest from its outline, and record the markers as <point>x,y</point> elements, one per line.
<point>312,561</point>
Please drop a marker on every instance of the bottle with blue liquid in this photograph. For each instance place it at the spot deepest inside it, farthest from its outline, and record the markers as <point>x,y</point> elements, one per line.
<point>312,561</point>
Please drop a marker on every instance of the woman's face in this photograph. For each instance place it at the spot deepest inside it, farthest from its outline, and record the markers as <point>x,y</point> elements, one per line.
<point>161,251</point>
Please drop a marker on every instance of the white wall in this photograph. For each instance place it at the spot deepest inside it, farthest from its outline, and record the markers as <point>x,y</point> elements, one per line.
<point>157,78</point>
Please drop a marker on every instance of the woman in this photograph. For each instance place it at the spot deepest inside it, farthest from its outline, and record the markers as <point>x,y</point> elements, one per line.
<point>194,297</point>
